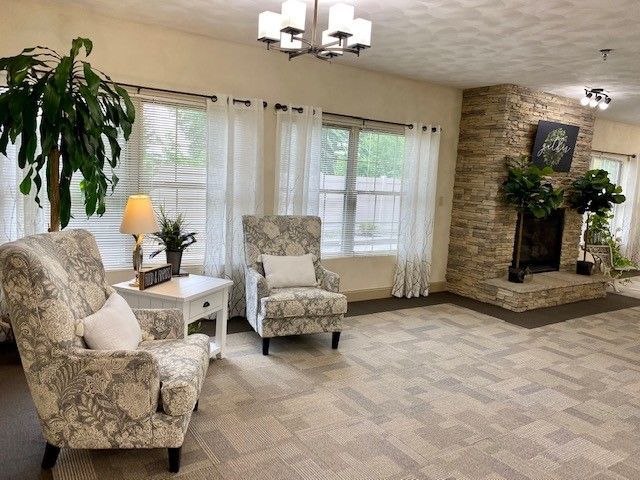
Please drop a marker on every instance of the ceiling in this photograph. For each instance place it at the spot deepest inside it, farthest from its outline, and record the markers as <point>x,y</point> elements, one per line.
<point>551,45</point>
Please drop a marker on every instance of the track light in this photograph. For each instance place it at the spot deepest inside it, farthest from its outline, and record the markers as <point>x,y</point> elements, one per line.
<point>595,97</point>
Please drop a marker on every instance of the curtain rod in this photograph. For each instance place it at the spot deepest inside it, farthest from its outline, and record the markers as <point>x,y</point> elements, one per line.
<point>284,108</point>
<point>213,98</point>
<point>630,155</point>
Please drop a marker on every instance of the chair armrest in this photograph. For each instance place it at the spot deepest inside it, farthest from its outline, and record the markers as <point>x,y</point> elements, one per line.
<point>256,289</point>
<point>160,323</point>
<point>329,281</point>
<point>110,384</point>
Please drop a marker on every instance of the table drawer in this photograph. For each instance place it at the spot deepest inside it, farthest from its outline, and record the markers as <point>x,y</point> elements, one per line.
<point>205,304</point>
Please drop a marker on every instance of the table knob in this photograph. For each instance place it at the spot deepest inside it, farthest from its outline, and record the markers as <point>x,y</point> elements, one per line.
<point>205,304</point>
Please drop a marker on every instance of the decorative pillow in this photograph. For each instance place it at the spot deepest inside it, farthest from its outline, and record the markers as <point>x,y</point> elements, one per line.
<point>289,271</point>
<point>113,327</point>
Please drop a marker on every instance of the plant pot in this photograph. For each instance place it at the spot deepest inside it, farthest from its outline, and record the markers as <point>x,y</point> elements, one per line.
<point>584,268</point>
<point>516,275</point>
<point>175,259</point>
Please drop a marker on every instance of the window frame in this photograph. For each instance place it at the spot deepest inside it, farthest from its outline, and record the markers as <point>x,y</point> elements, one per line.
<point>355,128</point>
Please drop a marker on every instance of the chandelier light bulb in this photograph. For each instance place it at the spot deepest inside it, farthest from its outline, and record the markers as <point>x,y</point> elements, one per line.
<point>331,42</point>
<point>593,103</point>
<point>294,14</point>
<point>289,43</point>
<point>341,20</point>
<point>361,34</point>
<point>269,24</point>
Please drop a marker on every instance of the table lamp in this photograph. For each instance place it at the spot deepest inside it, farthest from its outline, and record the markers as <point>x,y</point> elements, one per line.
<point>138,219</point>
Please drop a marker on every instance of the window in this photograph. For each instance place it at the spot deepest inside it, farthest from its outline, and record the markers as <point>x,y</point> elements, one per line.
<point>172,167</point>
<point>361,171</point>
<point>165,157</point>
<point>614,167</point>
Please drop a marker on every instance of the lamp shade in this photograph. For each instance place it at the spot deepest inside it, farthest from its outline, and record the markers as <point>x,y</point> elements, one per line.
<point>293,16</point>
<point>269,27</point>
<point>287,43</point>
<point>361,34</point>
<point>139,216</point>
<point>341,20</point>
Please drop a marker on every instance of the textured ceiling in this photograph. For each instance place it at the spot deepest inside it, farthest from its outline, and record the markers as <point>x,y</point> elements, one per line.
<point>546,44</point>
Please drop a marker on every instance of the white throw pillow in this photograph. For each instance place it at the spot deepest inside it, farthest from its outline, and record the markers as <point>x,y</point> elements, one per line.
<point>113,327</point>
<point>289,271</point>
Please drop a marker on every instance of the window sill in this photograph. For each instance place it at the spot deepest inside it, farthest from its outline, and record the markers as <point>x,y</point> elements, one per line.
<point>368,255</point>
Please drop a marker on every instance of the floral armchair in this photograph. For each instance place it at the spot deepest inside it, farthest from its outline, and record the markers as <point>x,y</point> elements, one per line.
<point>96,398</point>
<point>289,311</point>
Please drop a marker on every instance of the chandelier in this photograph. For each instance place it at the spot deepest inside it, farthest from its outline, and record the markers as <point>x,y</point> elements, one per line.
<point>596,97</point>
<point>343,35</point>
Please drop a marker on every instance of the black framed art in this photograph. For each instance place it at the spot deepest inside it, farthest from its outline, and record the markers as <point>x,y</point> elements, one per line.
<point>554,145</point>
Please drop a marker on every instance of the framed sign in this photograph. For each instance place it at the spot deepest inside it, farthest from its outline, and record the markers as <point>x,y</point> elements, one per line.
<point>554,145</point>
<point>148,277</point>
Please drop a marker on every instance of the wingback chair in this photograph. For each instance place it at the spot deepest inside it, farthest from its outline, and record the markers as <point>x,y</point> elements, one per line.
<point>289,311</point>
<point>96,399</point>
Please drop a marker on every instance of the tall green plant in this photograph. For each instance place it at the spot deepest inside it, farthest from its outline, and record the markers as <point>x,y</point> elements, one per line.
<point>71,111</point>
<point>594,194</point>
<point>527,191</point>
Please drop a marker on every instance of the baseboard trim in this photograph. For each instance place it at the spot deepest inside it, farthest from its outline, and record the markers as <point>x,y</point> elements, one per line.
<point>385,292</point>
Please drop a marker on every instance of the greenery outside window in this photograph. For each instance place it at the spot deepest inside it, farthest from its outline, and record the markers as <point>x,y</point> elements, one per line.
<point>361,179</point>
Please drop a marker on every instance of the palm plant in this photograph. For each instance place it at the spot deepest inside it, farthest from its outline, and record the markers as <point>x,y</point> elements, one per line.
<point>71,111</point>
<point>526,190</point>
<point>171,235</point>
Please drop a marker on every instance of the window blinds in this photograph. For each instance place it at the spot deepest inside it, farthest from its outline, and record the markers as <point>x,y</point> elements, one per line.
<point>361,170</point>
<point>172,167</point>
<point>164,157</point>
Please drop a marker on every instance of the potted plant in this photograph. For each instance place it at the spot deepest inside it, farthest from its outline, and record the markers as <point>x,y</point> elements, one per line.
<point>593,194</point>
<point>75,114</point>
<point>526,190</point>
<point>173,239</point>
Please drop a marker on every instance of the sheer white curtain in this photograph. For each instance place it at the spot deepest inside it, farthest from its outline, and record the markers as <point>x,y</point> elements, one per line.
<point>627,216</point>
<point>417,211</point>
<point>234,187</point>
<point>19,214</point>
<point>298,152</point>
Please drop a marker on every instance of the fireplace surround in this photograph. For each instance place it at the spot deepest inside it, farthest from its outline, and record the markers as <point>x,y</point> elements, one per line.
<point>497,122</point>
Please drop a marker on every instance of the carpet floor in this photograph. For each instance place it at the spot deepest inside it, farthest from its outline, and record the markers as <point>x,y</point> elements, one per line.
<point>433,392</point>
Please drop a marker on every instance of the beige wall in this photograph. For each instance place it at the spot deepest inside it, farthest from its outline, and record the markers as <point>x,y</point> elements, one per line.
<point>161,57</point>
<point>616,137</point>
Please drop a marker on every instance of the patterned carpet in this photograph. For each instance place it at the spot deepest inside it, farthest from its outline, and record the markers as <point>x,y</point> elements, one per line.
<point>438,392</point>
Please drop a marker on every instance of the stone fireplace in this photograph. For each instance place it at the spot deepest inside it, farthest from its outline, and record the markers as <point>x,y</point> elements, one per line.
<point>501,121</point>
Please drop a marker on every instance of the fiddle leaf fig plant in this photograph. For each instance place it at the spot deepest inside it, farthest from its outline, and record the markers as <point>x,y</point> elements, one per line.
<point>594,194</point>
<point>527,190</point>
<point>69,117</point>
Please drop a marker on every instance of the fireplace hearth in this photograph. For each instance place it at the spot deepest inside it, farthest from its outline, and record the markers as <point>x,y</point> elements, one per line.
<point>541,242</point>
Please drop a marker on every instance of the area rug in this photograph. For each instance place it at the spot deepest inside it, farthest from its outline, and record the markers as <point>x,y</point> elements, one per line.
<point>437,392</point>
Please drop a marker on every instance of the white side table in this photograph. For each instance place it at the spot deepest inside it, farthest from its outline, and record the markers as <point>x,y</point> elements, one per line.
<point>196,295</point>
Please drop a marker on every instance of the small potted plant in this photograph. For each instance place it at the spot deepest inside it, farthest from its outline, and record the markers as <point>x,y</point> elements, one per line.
<point>173,239</point>
<point>526,190</point>
<point>593,194</point>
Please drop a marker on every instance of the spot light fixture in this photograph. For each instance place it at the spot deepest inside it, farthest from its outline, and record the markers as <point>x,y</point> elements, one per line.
<point>596,97</point>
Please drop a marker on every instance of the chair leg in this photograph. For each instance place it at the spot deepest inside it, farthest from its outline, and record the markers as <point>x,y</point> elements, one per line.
<point>265,346</point>
<point>195,407</point>
<point>335,338</point>
<point>50,457</point>
<point>174,459</point>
